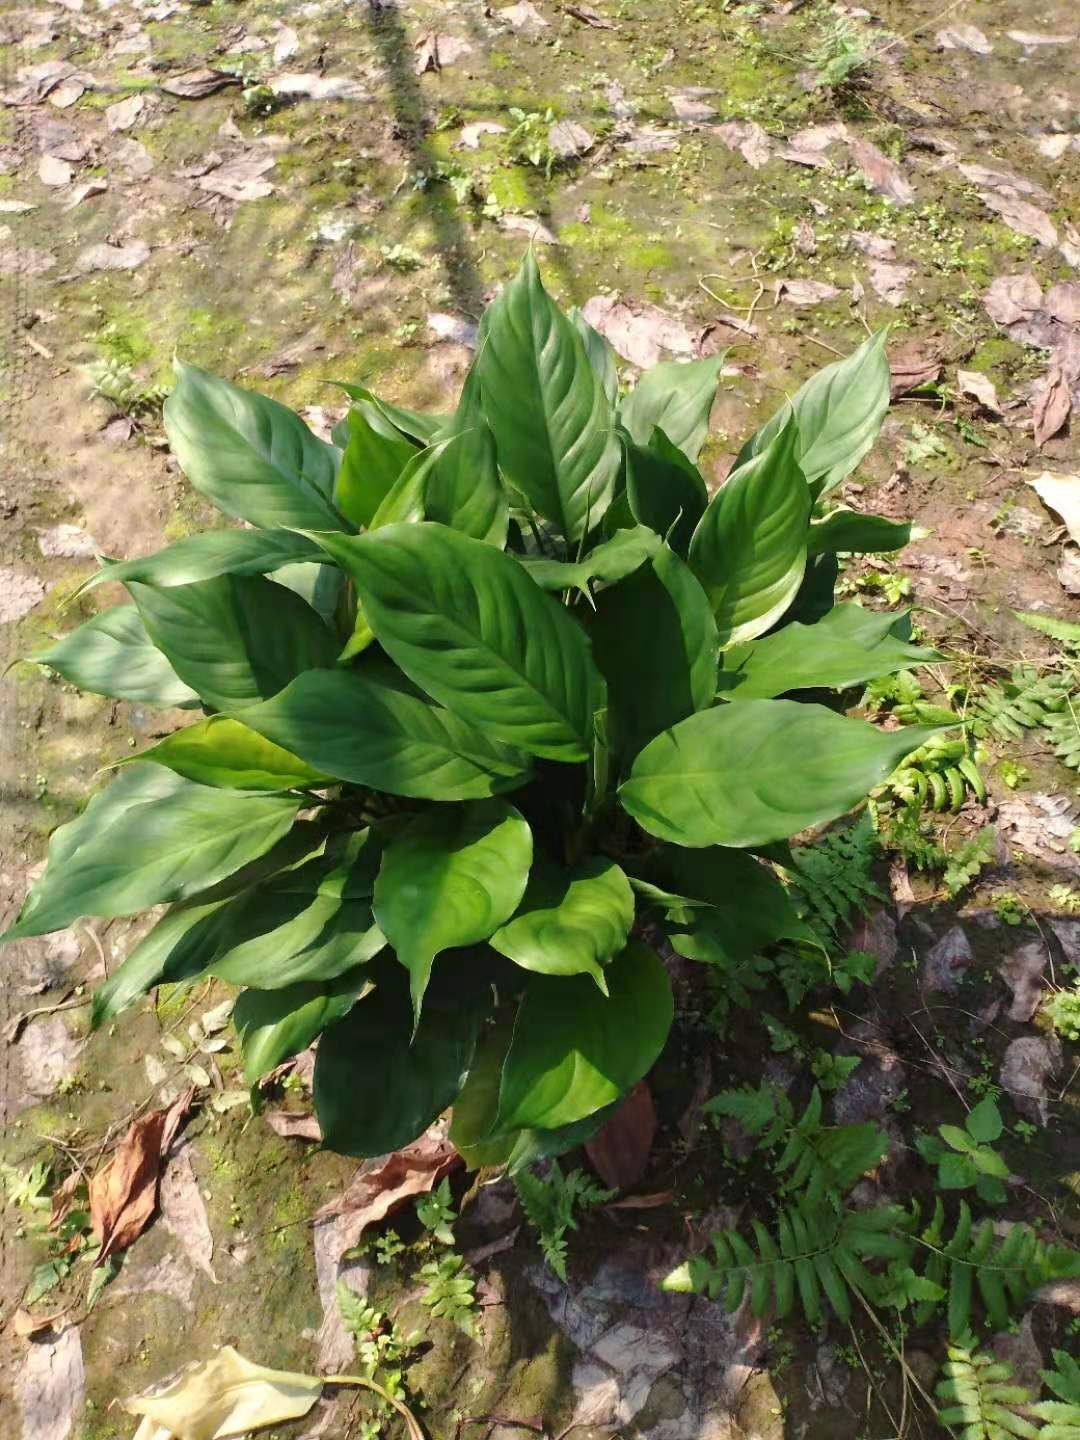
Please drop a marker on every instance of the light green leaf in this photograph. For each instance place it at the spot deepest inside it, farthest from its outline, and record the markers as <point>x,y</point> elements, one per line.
<point>465,622</point>
<point>839,413</point>
<point>250,456</point>
<point>204,557</point>
<point>601,355</point>
<point>654,639</point>
<point>848,646</point>
<point>984,1123</point>
<point>387,417</point>
<point>225,1395</point>
<point>319,586</point>
<point>237,639</point>
<point>759,771</point>
<point>664,490</point>
<point>749,550</point>
<point>367,726</point>
<point>576,1050</point>
<point>157,839</point>
<point>571,922</point>
<point>477,1104</point>
<point>464,490</point>
<point>222,752</point>
<point>373,460</point>
<point>276,1024</point>
<point>450,879</point>
<point>546,407</point>
<point>112,654</point>
<point>857,534</point>
<point>378,1086</point>
<point>678,397</point>
<point>611,560</point>
<point>406,499</point>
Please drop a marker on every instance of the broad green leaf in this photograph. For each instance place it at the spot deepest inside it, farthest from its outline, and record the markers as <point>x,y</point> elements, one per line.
<point>816,595</point>
<point>571,922</point>
<point>654,640</point>
<point>450,879</point>
<point>858,534</point>
<point>466,624</point>
<point>276,1024</point>
<point>377,1085</point>
<point>222,752</point>
<point>184,941</point>
<point>464,490</point>
<point>154,841</point>
<point>387,417</point>
<point>553,424</point>
<point>759,771</point>
<point>477,1104</point>
<point>749,549</point>
<point>984,1122</point>
<point>601,355</point>
<point>319,586</point>
<point>611,560</point>
<point>237,639</point>
<point>368,727</point>
<point>665,493</point>
<point>250,456</point>
<point>678,397</point>
<point>848,646</point>
<point>839,413</point>
<point>204,557</point>
<point>576,1050</point>
<point>371,463</point>
<point>112,654</point>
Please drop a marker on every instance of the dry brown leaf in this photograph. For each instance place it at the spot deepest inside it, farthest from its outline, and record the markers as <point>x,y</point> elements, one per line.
<point>198,83</point>
<point>1024,218</point>
<point>1050,406</point>
<point>882,174</point>
<point>978,387</point>
<point>589,17</point>
<point>1063,302</point>
<point>388,1184</point>
<point>805,292</point>
<point>619,1151</point>
<point>912,366</point>
<point>653,1201</point>
<point>1012,297</point>
<point>427,53</point>
<point>24,1324</point>
<point>292,1126</point>
<point>123,1195</point>
<point>1060,493</point>
<point>63,1199</point>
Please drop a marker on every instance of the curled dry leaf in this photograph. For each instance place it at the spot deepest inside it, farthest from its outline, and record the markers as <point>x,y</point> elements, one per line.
<point>619,1151</point>
<point>1024,218</point>
<point>912,366</point>
<point>1012,298</point>
<point>1060,493</point>
<point>123,1195</point>
<point>881,173</point>
<point>198,83</point>
<point>385,1185</point>
<point>978,387</point>
<point>1050,404</point>
<point>1022,971</point>
<point>1028,1064</point>
<point>293,1126</point>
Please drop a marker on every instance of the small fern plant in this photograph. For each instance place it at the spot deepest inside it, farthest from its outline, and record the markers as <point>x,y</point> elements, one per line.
<point>552,1204</point>
<point>982,1402</point>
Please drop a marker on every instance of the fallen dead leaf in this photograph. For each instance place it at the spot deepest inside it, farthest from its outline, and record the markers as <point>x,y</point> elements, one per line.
<point>86,191</point>
<point>589,17</point>
<point>124,113</point>
<point>964,37</point>
<point>54,172</point>
<point>642,334</point>
<point>536,230</point>
<point>978,387</point>
<point>749,139</point>
<point>471,134</point>
<point>1063,302</point>
<point>883,175</point>
<point>653,1201</point>
<point>292,1126</point>
<point>804,292</point>
<point>67,93</point>
<point>912,366</point>
<point>24,1324</point>
<point>569,140</point>
<point>1022,971</point>
<point>691,105</point>
<point>1023,217</point>
<point>63,1199</point>
<point>123,1195</point>
<point>620,1149</point>
<point>523,16</point>
<point>225,1396</point>
<point>1012,298</point>
<point>198,83</point>
<point>1031,39</point>
<point>1060,493</point>
<point>945,962</point>
<point>388,1184</point>
<point>1028,1064</point>
<point>318,87</point>
<point>891,280</point>
<point>1051,402</point>
<point>112,257</point>
<point>240,179</point>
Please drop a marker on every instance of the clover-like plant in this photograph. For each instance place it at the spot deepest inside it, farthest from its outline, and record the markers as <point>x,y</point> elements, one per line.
<point>475,692</point>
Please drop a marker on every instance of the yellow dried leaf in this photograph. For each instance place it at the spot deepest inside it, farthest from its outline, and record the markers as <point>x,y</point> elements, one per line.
<point>225,1395</point>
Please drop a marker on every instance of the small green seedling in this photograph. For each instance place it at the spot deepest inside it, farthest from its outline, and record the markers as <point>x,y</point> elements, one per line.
<point>966,1158</point>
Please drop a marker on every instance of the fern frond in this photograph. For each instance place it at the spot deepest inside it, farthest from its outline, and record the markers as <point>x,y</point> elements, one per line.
<point>833,874</point>
<point>764,1113</point>
<point>1063,630</point>
<point>1020,703</point>
<point>825,1161</point>
<point>981,1396</point>
<point>815,1253</point>
<point>1063,728</point>
<point>1061,1417</point>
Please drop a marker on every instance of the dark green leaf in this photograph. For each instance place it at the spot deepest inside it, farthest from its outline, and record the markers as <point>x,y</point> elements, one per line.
<point>611,560</point>
<point>678,397</point>
<point>113,655</point>
<point>546,407</point>
<point>576,1050</point>
<point>371,463</point>
<point>601,356</point>
<point>464,490</point>
<point>237,639</point>
<point>319,586</point>
<point>387,417</point>
<point>759,771</point>
<point>450,879</point>
<point>654,639</point>
<point>465,622</point>
<point>276,1024</point>
<point>204,557</point>
<point>368,727</point>
<point>377,1087</point>
<point>571,922</point>
<point>222,752</point>
<point>250,456</point>
<point>984,1123</point>
<point>857,534</point>
<point>150,838</point>
<point>664,492</point>
<point>749,550</point>
<point>848,646</point>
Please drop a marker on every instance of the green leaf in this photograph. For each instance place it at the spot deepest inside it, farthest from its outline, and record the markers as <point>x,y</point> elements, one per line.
<point>654,639</point>
<point>955,1172</point>
<point>760,771</point>
<point>477,1104</point>
<point>318,585</point>
<point>112,654</point>
<point>839,413</point>
<point>370,728</point>
<point>276,1024</point>
<point>857,534</point>
<point>984,1123</point>
<point>449,880</point>
<point>373,460</point>
<point>678,397</point>
<point>237,639</point>
<point>664,491</point>
<point>576,1050</point>
<point>848,646</point>
<point>465,622</point>
<point>204,557</point>
<point>387,417</point>
<point>611,560</point>
<point>571,922</point>
<point>405,501</point>
<point>222,752</point>
<point>250,456</point>
<point>464,490</point>
<point>957,1138</point>
<point>377,1086</point>
<point>546,407</point>
<point>601,355</point>
<point>150,838</point>
<point>749,549</point>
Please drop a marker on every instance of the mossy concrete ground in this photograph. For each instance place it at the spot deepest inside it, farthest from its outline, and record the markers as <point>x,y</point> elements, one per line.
<point>386,209</point>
